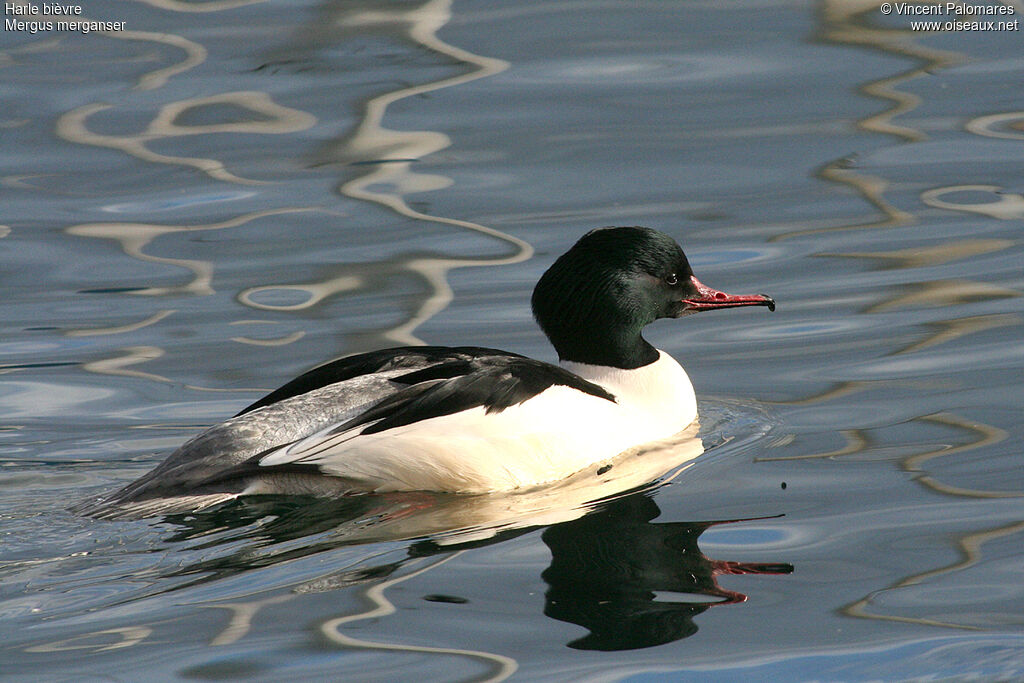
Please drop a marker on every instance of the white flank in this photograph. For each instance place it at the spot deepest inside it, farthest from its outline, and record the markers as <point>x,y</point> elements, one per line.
<point>549,437</point>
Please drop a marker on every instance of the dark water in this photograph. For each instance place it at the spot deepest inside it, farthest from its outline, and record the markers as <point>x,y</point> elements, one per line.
<point>223,194</point>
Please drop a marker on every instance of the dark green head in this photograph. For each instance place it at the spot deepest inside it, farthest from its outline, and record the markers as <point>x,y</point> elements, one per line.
<point>595,300</point>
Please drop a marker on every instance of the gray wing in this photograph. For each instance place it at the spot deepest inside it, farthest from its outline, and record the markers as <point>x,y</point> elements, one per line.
<point>180,483</point>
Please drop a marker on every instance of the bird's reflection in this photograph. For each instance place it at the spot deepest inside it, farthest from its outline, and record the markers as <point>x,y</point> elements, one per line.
<point>634,583</point>
<point>631,582</point>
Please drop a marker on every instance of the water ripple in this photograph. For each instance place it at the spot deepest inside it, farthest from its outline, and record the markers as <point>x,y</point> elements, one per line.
<point>277,120</point>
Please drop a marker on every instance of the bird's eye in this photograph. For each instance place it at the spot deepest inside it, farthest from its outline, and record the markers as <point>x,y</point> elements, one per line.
<point>671,280</point>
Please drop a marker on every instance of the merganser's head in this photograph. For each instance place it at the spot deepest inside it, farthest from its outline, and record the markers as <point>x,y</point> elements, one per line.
<point>593,302</point>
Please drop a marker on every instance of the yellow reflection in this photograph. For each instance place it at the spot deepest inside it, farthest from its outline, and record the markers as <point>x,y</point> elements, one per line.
<point>134,237</point>
<point>1004,205</point>
<point>121,329</point>
<point>983,435</point>
<point>969,547</point>
<point>1012,123</point>
<point>195,54</point>
<point>950,330</point>
<point>382,607</point>
<point>279,341</point>
<point>73,127</point>
<point>127,636</point>
<point>121,365</point>
<point>384,184</point>
<point>942,293</point>
<point>242,614</point>
<point>206,6</point>
<point>916,257</point>
<point>314,293</point>
<point>856,442</point>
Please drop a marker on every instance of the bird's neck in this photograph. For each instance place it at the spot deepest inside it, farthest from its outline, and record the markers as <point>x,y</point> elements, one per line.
<point>625,349</point>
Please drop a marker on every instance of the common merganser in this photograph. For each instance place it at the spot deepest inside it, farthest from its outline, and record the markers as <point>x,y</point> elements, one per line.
<point>465,419</point>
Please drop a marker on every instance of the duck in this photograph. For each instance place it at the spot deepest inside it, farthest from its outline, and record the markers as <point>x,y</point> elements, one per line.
<point>466,419</point>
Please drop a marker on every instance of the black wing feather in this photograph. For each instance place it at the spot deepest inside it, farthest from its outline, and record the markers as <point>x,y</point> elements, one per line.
<point>495,383</point>
<point>412,357</point>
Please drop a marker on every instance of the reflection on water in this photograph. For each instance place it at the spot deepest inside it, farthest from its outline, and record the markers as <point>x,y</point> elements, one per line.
<point>273,119</point>
<point>919,257</point>
<point>135,237</point>
<point>501,666</point>
<point>1001,203</point>
<point>206,6</point>
<point>969,548</point>
<point>633,583</point>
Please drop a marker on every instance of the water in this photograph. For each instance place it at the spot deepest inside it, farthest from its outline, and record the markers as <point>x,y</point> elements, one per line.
<point>224,194</point>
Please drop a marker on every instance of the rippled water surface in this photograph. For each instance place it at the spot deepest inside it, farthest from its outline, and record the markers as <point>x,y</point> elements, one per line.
<point>223,194</point>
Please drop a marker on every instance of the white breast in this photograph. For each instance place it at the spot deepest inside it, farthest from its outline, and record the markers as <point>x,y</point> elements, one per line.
<point>659,393</point>
<point>546,438</point>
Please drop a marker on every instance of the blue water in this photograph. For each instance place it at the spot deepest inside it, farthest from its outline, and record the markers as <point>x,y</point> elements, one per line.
<point>221,195</point>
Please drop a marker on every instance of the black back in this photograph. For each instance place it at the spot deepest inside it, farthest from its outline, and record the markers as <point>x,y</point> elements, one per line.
<point>441,381</point>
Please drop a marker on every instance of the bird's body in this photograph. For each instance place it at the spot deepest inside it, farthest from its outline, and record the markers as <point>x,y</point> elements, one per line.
<point>464,419</point>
